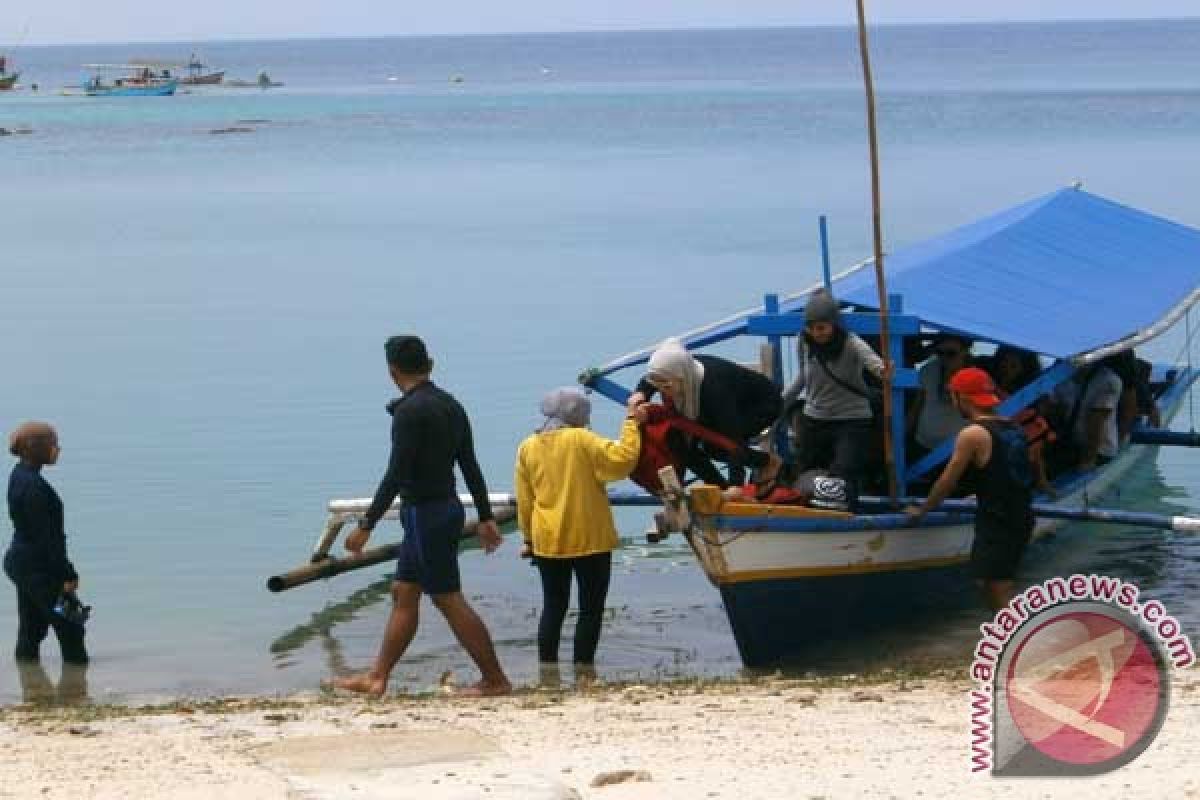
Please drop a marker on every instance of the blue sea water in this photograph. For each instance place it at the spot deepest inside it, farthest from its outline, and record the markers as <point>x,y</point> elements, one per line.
<point>202,315</point>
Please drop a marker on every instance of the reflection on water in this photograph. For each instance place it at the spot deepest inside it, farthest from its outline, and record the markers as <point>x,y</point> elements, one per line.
<point>37,688</point>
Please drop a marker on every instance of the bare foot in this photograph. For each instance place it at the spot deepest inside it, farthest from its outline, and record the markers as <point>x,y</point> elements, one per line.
<point>486,689</point>
<point>363,683</point>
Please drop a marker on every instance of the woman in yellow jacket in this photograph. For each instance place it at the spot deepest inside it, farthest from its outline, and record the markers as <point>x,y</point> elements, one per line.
<point>563,512</point>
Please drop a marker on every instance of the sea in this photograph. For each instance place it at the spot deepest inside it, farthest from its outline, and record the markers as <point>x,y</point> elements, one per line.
<point>202,314</point>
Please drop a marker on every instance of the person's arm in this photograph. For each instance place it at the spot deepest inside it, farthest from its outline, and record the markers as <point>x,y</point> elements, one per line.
<point>398,470</point>
<point>967,447</point>
<point>866,356</point>
<point>404,439</point>
<point>613,460</point>
<point>1127,413</point>
<point>703,468</point>
<point>1104,402</point>
<point>39,512</point>
<point>1096,424</point>
<point>525,496</point>
<point>792,393</point>
<point>472,474</point>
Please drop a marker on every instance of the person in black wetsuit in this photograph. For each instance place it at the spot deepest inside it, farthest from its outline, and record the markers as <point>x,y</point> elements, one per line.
<point>430,434</point>
<point>36,561</point>
<point>992,454</point>
<point>723,397</point>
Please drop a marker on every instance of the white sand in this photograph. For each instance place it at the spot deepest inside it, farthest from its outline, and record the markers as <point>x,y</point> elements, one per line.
<point>769,739</point>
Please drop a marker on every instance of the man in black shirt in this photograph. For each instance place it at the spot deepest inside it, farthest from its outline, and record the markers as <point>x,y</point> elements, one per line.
<point>992,455</point>
<point>430,434</point>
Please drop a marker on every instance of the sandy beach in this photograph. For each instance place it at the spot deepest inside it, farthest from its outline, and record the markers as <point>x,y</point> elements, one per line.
<point>885,737</point>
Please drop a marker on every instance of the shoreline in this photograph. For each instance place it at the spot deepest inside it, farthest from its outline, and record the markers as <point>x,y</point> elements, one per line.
<point>887,734</point>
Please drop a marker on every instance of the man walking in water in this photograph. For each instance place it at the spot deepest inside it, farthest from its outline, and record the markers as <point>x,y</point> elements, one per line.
<point>430,434</point>
<point>992,454</point>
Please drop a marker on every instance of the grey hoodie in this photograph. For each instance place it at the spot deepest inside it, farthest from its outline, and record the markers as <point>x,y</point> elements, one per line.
<point>824,398</point>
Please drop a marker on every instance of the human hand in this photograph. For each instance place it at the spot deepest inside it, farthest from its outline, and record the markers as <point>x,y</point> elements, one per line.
<point>70,587</point>
<point>357,540</point>
<point>489,535</point>
<point>888,372</point>
<point>640,414</point>
<point>914,514</point>
<point>636,399</point>
<point>527,550</point>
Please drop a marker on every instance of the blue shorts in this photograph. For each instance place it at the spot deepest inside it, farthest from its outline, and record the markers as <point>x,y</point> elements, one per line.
<point>429,552</point>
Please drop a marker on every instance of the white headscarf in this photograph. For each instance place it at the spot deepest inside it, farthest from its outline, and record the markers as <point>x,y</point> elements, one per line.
<point>566,407</point>
<point>672,361</point>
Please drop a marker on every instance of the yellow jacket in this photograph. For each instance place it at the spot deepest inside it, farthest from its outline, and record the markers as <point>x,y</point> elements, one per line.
<point>562,504</point>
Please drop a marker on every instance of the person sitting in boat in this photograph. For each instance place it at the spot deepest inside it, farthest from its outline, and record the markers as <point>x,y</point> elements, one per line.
<point>833,428</point>
<point>564,515</point>
<point>932,418</point>
<point>1137,399</point>
<point>723,397</point>
<point>1087,407</point>
<point>991,453</point>
<point>1012,369</point>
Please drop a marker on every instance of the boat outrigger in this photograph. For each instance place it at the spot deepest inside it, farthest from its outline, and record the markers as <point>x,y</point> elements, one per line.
<point>140,80</point>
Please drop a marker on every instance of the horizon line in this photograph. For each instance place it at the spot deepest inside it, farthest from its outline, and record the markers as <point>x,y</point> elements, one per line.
<point>568,32</point>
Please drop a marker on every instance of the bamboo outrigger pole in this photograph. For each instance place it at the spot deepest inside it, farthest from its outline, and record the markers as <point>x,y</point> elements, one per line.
<point>889,453</point>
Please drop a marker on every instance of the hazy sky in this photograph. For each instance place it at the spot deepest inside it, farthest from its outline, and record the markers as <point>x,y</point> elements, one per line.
<point>50,21</point>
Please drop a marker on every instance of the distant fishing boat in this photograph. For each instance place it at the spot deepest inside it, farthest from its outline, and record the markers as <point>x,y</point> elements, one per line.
<point>7,79</point>
<point>197,74</point>
<point>140,80</point>
<point>263,81</point>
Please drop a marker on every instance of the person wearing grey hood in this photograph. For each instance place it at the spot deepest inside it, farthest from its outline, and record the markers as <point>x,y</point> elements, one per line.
<point>833,430</point>
<point>564,515</point>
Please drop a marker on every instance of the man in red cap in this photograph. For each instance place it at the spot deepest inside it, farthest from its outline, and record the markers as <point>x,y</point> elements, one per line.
<point>992,454</point>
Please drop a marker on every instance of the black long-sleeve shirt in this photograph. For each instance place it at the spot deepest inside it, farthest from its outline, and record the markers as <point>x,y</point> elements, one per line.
<point>430,434</point>
<point>39,543</point>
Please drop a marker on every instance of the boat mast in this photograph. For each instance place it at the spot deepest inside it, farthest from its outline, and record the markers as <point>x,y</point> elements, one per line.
<point>880,283</point>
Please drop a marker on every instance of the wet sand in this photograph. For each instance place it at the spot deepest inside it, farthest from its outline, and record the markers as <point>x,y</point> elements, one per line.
<point>770,737</point>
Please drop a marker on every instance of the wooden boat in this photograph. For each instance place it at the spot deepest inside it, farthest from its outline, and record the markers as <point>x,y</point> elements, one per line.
<point>1067,276</point>
<point>197,74</point>
<point>8,80</point>
<point>139,80</point>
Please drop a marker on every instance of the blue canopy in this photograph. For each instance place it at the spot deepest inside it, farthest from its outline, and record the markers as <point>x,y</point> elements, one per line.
<point>1061,275</point>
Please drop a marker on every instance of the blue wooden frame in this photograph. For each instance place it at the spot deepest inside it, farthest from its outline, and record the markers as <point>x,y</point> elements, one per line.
<point>776,325</point>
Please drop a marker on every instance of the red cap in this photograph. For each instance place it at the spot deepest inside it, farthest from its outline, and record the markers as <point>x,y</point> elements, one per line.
<point>975,385</point>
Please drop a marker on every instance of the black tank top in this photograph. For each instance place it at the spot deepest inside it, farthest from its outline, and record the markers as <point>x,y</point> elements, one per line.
<point>1003,486</point>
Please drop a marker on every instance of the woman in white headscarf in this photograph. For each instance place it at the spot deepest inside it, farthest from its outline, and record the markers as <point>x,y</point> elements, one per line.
<point>564,515</point>
<point>722,396</point>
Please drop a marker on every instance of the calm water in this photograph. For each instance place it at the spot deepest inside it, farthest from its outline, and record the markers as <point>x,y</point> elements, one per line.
<point>203,315</point>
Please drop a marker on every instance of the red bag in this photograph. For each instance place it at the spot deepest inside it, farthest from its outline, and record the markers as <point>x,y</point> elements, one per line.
<point>656,450</point>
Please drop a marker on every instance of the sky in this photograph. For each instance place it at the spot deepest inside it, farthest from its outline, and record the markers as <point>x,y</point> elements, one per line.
<point>71,21</point>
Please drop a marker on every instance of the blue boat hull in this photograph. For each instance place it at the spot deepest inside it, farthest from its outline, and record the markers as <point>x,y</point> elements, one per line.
<point>163,90</point>
<point>777,621</point>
